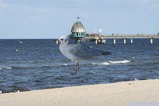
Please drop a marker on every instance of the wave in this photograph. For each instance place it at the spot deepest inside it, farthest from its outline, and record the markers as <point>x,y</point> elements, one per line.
<point>119,62</point>
<point>6,67</point>
<point>64,64</point>
<point>19,67</point>
<point>22,67</point>
<point>103,63</point>
<point>112,62</point>
<point>10,68</point>
<point>61,65</point>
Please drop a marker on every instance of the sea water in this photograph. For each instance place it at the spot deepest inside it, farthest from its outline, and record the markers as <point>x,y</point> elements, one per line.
<point>32,64</point>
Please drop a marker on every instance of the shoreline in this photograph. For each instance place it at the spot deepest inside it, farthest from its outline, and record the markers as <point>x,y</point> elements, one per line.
<point>113,94</point>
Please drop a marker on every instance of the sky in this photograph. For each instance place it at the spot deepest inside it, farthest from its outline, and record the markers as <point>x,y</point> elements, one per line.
<point>38,19</point>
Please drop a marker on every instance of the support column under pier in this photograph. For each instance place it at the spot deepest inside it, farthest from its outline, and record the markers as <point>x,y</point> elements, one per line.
<point>131,41</point>
<point>151,40</point>
<point>114,41</point>
<point>125,40</point>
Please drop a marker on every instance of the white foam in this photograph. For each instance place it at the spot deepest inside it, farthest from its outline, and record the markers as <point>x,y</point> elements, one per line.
<point>9,68</point>
<point>6,67</point>
<point>63,64</point>
<point>119,62</point>
<point>94,63</point>
<point>103,63</point>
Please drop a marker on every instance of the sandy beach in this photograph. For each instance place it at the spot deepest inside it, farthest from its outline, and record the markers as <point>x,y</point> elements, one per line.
<point>116,94</point>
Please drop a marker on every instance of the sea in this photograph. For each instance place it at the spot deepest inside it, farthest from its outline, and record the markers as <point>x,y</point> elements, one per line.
<point>35,64</point>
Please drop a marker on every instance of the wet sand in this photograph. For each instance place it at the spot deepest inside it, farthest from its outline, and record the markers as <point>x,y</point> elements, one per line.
<point>115,94</point>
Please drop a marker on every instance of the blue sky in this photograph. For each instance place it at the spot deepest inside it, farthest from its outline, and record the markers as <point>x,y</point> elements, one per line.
<point>54,18</point>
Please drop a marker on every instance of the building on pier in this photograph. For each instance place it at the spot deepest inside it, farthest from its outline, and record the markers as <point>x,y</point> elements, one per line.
<point>78,30</point>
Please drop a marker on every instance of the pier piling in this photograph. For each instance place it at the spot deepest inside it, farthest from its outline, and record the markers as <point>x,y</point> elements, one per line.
<point>151,40</point>
<point>56,41</point>
<point>131,41</point>
<point>96,41</point>
<point>125,40</point>
<point>114,41</point>
<point>104,41</point>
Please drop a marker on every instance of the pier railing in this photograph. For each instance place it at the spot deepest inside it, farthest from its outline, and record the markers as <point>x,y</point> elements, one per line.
<point>95,36</point>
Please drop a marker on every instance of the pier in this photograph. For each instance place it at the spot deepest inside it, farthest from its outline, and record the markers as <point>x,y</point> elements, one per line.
<point>101,39</point>
<point>78,32</point>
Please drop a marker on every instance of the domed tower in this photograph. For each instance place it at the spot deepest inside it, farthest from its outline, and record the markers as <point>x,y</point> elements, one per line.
<point>78,30</point>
